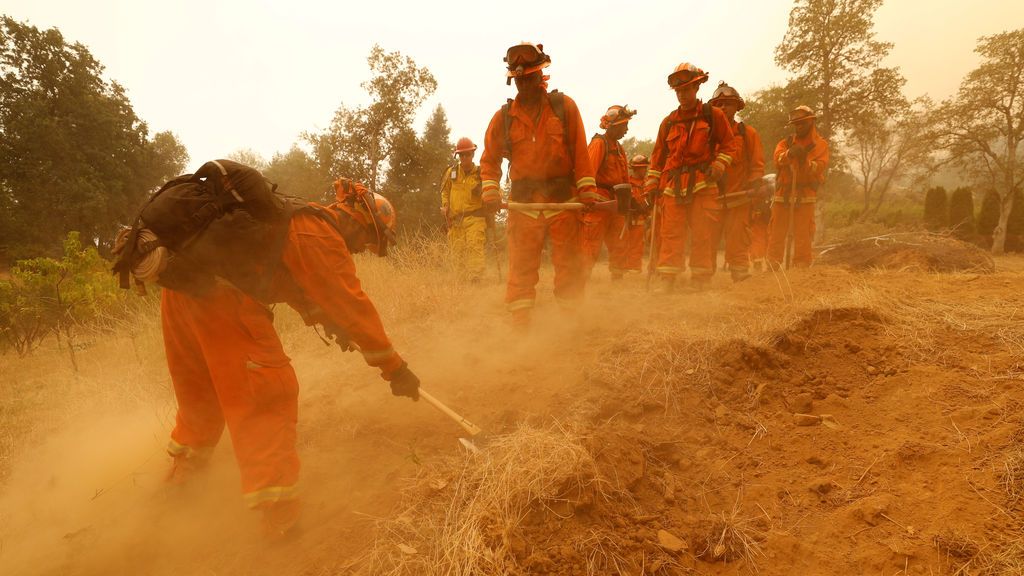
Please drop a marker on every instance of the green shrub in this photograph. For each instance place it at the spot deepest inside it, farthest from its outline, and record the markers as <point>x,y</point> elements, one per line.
<point>961,214</point>
<point>936,209</point>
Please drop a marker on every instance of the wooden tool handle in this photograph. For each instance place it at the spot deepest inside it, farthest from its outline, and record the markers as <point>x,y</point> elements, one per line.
<point>468,426</point>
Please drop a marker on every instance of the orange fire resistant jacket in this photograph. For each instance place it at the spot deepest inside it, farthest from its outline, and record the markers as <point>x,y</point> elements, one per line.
<point>684,149</point>
<point>540,150</point>
<point>809,174</point>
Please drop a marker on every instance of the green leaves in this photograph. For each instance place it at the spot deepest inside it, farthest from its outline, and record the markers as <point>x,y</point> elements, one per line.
<point>73,153</point>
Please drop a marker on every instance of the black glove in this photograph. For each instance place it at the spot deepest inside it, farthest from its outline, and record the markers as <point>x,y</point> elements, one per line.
<point>798,153</point>
<point>405,383</point>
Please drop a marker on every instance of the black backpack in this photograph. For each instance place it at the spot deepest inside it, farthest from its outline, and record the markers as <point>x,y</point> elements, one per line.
<point>185,206</point>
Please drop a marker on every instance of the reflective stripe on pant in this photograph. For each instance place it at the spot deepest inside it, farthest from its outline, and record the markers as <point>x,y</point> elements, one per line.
<point>737,237</point>
<point>525,244</point>
<point>702,222</point>
<point>603,228</point>
<point>227,366</point>
<point>467,238</point>
<point>803,233</point>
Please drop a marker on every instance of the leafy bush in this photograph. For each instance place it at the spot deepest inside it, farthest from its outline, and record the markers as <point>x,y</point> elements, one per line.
<point>961,213</point>
<point>45,296</point>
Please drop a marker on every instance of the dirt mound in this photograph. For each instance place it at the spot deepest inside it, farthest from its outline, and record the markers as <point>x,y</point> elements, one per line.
<point>913,251</point>
<point>809,452</point>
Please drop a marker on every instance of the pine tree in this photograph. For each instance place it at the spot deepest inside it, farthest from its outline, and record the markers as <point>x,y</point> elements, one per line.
<point>961,213</point>
<point>936,209</point>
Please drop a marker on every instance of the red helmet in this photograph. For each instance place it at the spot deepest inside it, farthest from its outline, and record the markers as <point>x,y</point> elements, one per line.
<point>685,74</point>
<point>464,145</point>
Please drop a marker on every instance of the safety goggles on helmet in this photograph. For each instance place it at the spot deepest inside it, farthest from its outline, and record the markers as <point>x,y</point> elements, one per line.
<point>371,210</point>
<point>617,115</point>
<point>686,74</point>
<point>525,58</point>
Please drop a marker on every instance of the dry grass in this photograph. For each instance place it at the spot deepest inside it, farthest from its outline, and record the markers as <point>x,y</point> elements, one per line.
<point>728,537</point>
<point>469,526</point>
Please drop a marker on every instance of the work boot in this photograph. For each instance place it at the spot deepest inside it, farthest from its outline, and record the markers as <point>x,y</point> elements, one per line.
<point>739,274</point>
<point>521,319</point>
<point>666,284</point>
<point>700,283</point>
<point>186,466</point>
<point>759,266</point>
<point>281,519</point>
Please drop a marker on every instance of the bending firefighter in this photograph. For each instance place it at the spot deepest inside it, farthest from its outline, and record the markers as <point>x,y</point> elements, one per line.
<point>542,136</point>
<point>464,212</point>
<point>224,245</point>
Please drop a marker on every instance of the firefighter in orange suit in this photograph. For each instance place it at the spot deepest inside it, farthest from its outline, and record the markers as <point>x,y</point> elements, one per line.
<point>634,252</point>
<point>801,160</point>
<point>611,168</point>
<point>226,361</point>
<point>542,136</point>
<point>741,182</point>
<point>691,153</point>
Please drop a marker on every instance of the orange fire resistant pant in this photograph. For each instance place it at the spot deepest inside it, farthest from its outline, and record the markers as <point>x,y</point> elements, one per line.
<point>634,251</point>
<point>758,240</point>
<point>803,233</point>
<point>604,228</point>
<point>227,366</point>
<point>701,220</point>
<point>525,244</point>
<point>737,237</point>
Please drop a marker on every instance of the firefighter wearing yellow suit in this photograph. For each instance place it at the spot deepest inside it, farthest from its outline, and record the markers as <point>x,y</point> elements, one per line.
<point>464,212</point>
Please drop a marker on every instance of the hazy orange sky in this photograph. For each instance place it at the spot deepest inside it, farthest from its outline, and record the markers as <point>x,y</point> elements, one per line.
<point>256,74</point>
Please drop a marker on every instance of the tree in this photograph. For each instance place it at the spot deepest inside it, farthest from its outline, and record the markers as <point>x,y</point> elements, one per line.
<point>297,174</point>
<point>936,209</point>
<point>73,153</point>
<point>768,111</point>
<point>360,141</point>
<point>983,127</point>
<point>830,46</point>
<point>883,146</point>
<point>632,146</point>
<point>249,157</point>
<point>413,179</point>
<point>961,213</point>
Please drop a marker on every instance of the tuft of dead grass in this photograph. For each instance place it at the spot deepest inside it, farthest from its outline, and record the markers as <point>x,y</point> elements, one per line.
<point>468,525</point>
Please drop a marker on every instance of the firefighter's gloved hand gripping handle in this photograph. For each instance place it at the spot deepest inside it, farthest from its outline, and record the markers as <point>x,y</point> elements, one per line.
<point>404,382</point>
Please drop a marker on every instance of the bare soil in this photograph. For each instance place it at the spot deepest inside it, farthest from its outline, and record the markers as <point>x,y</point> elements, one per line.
<point>825,422</point>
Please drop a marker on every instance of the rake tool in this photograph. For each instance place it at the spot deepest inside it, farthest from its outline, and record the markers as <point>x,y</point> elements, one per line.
<point>473,430</point>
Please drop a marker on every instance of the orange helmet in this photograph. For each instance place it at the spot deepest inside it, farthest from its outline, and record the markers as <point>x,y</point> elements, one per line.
<point>639,161</point>
<point>617,115</point>
<point>464,145</point>
<point>685,74</point>
<point>724,93</point>
<point>372,211</point>
<point>525,58</point>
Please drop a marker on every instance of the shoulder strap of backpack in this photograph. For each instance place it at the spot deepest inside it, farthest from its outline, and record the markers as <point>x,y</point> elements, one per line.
<point>506,117</point>
<point>709,117</point>
<point>557,100</point>
<point>605,157</point>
